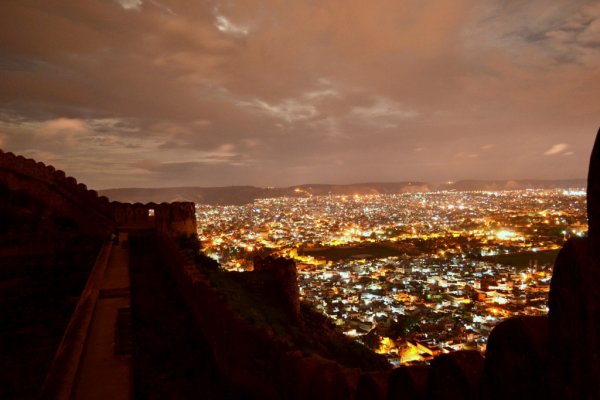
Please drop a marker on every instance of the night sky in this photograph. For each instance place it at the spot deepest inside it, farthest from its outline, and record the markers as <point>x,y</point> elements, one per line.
<point>155,93</point>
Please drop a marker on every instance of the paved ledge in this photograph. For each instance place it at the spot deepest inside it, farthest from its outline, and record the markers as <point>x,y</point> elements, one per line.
<point>93,360</point>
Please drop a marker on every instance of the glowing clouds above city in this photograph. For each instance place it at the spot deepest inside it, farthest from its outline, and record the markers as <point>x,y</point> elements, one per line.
<point>276,93</point>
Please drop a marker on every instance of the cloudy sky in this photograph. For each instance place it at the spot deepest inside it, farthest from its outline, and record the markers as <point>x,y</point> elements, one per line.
<point>152,93</point>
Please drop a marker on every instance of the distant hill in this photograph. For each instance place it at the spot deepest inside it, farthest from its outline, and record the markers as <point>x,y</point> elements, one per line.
<point>471,185</point>
<point>235,195</point>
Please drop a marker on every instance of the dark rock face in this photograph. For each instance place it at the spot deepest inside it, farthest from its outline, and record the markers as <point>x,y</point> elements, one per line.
<point>575,305</point>
<point>593,198</point>
<point>571,305</point>
<point>327,382</point>
<point>373,386</point>
<point>516,359</point>
<point>408,383</point>
<point>575,321</point>
<point>455,376</point>
<point>558,357</point>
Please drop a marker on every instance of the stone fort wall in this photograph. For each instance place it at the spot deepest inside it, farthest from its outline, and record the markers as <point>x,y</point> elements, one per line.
<point>172,219</point>
<point>66,196</point>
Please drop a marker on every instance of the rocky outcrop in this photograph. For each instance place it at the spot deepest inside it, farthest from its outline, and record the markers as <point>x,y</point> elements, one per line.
<point>574,303</point>
<point>408,383</point>
<point>593,202</point>
<point>455,376</point>
<point>516,359</point>
<point>557,356</point>
<point>373,386</point>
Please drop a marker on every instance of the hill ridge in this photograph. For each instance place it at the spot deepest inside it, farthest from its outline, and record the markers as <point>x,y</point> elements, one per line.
<point>243,194</point>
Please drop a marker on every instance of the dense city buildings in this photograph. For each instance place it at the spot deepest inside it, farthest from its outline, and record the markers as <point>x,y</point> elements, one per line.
<point>411,275</point>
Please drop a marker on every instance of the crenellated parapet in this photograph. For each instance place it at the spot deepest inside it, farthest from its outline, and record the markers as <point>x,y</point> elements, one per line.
<point>33,170</point>
<point>67,197</point>
<point>27,174</point>
<point>172,219</point>
<point>44,200</point>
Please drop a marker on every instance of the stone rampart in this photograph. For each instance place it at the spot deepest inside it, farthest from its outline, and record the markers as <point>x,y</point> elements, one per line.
<point>61,196</point>
<point>172,219</point>
<point>271,368</point>
<point>47,174</point>
<point>67,197</point>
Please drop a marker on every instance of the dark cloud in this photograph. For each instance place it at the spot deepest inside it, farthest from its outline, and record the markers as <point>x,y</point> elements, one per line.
<point>158,93</point>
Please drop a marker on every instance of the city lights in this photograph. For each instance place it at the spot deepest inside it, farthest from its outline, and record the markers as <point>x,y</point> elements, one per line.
<point>411,275</point>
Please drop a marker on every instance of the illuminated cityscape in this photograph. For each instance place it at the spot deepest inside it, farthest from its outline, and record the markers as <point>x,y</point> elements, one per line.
<point>412,275</point>
<point>299,199</point>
